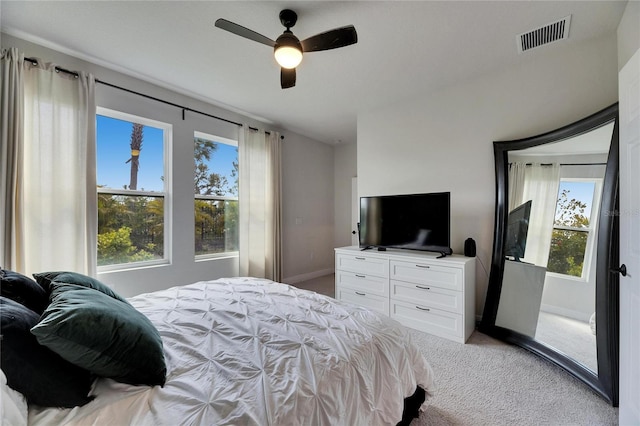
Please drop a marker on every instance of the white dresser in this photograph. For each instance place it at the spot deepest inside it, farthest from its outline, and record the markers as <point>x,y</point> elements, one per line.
<point>433,295</point>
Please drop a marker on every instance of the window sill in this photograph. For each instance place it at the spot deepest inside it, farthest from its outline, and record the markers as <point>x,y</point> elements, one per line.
<point>132,266</point>
<point>217,256</point>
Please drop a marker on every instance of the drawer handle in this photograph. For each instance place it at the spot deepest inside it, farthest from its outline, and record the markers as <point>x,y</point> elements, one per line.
<point>423,309</point>
<point>423,288</point>
<point>361,276</point>
<point>360,294</point>
<point>423,266</point>
<point>360,258</point>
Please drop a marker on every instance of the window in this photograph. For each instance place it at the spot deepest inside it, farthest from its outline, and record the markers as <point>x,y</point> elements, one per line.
<point>573,227</point>
<point>132,178</point>
<point>216,195</point>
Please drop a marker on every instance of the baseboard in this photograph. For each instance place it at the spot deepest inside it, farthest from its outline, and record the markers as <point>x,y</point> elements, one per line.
<point>305,277</point>
<point>569,313</point>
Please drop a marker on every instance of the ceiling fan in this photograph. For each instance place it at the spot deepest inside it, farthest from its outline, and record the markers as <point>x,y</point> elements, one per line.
<point>288,49</point>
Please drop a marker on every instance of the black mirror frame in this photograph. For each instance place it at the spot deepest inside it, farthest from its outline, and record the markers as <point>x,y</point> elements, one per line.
<point>605,380</point>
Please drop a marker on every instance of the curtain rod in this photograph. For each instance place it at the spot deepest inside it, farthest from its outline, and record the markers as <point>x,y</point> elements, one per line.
<point>567,164</point>
<point>34,61</point>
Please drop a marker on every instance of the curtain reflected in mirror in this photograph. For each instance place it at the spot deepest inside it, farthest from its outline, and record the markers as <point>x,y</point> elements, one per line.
<point>548,287</point>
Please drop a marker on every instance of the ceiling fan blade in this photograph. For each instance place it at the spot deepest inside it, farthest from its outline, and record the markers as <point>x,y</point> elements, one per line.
<point>243,32</point>
<point>331,39</point>
<point>287,77</point>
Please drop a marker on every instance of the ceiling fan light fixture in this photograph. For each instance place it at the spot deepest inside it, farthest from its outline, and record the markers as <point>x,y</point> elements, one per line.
<point>288,51</point>
<point>288,57</point>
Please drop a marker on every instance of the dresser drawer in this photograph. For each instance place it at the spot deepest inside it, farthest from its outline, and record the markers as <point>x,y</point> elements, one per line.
<point>431,297</point>
<point>371,301</point>
<point>430,320</point>
<point>363,282</point>
<point>363,264</point>
<point>428,274</point>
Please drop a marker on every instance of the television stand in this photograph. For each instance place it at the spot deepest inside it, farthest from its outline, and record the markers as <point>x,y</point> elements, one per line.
<point>412,287</point>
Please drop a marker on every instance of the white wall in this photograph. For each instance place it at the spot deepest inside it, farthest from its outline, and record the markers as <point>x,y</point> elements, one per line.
<point>307,181</point>
<point>308,201</point>
<point>345,165</point>
<point>629,33</point>
<point>442,141</point>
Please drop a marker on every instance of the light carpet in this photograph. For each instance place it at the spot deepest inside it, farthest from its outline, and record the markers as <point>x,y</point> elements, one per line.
<point>488,382</point>
<point>569,336</point>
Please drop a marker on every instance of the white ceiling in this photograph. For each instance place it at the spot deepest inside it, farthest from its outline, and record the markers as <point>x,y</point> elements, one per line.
<point>404,49</point>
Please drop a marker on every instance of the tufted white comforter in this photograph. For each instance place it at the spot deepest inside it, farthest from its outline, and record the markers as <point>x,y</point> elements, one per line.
<point>246,351</point>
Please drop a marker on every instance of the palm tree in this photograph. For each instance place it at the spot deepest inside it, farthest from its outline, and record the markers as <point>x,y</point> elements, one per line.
<point>136,147</point>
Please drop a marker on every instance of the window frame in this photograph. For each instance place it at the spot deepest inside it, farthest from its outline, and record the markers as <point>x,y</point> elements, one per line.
<point>167,142</point>
<point>226,141</point>
<point>592,230</point>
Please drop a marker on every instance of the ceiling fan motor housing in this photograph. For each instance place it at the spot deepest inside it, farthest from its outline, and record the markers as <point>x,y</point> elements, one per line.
<point>287,39</point>
<point>288,18</point>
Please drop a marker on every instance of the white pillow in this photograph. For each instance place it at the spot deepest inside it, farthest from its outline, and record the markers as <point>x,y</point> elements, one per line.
<point>13,405</point>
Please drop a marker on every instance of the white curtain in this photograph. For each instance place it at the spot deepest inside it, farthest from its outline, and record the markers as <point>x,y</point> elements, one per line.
<point>541,186</point>
<point>260,204</point>
<point>516,184</point>
<point>11,154</point>
<point>54,199</point>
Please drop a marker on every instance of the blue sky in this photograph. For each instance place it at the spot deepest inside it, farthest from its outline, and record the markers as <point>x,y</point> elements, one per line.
<point>222,161</point>
<point>114,137</point>
<point>582,191</point>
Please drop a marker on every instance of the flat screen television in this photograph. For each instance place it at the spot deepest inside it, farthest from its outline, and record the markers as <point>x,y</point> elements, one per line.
<point>517,230</point>
<point>414,222</point>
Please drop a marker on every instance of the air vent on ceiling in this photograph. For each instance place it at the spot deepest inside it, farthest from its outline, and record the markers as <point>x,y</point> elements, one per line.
<point>546,34</point>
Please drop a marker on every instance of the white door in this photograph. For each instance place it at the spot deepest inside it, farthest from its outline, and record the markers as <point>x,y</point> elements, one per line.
<point>355,211</point>
<point>629,95</point>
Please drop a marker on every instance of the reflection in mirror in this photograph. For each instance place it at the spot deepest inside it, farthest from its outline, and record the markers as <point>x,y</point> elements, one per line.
<point>549,277</point>
<point>551,289</point>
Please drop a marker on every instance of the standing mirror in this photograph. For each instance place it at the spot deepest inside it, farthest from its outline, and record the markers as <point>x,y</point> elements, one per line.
<point>553,286</point>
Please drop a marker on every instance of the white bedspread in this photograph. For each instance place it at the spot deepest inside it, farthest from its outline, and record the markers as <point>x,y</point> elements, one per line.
<point>246,351</point>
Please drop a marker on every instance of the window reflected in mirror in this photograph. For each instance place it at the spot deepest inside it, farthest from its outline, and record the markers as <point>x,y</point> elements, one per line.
<point>573,228</point>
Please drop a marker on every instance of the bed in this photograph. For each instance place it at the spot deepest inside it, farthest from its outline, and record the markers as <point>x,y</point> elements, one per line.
<point>247,351</point>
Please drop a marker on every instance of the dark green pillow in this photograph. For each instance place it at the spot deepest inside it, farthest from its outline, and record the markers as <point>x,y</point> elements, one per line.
<point>42,376</point>
<point>102,334</point>
<point>46,278</point>
<point>23,290</point>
